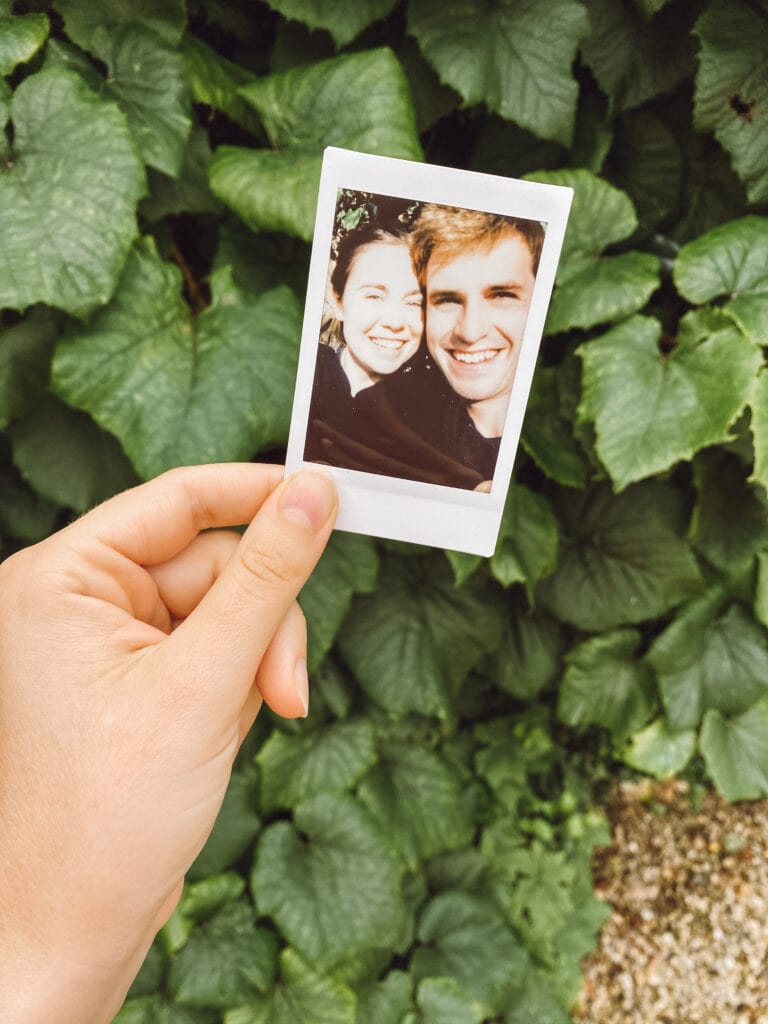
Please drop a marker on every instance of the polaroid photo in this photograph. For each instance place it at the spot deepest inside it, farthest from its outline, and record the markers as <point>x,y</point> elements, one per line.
<point>428,290</point>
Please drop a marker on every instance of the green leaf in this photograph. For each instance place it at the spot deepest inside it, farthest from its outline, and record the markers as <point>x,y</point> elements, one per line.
<point>526,550</point>
<point>21,36</point>
<point>201,899</point>
<point>463,565</point>
<point>330,760</point>
<point>466,938</point>
<point>514,55</point>
<point>24,515</point>
<point>659,751</point>
<point>147,78</point>
<point>330,882</point>
<point>431,99</point>
<point>623,558</point>
<point>5,103</point>
<point>417,798</point>
<point>443,1001</point>
<point>730,519</point>
<point>761,589</point>
<point>651,409</point>
<point>647,162</point>
<point>303,995</point>
<point>215,81</point>
<point>190,192</point>
<point>635,59</point>
<point>730,261</point>
<point>389,1001</point>
<point>548,430</point>
<point>605,684</point>
<point>758,403</point>
<point>592,288</point>
<point>66,458</point>
<point>25,355</point>
<point>529,656</point>
<point>736,752</point>
<point>226,961</point>
<point>66,223</point>
<point>413,641</point>
<point>731,97</point>
<point>708,658</point>
<point>344,19</point>
<point>236,827</point>
<point>303,111</point>
<point>83,18</point>
<point>157,1010</point>
<point>178,390</point>
<point>349,565</point>
<point>536,1002</point>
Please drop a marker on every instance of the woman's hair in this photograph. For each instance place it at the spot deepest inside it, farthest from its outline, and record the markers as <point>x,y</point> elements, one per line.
<point>451,230</point>
<point>346,249</point>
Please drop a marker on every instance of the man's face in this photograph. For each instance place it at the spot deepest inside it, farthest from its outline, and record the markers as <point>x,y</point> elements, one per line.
<point>477,305</point>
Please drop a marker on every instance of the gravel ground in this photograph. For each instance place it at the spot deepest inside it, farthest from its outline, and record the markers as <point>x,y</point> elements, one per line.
<point>688,940</point>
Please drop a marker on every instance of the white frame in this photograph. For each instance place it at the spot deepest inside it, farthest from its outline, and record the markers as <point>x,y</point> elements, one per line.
<point>407,510</point>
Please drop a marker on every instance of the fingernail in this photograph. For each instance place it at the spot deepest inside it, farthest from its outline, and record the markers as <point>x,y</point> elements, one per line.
<point>301,685</point>
<point>308,498</point>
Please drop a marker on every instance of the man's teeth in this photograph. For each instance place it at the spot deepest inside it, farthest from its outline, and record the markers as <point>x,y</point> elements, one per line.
<point>475,357</point>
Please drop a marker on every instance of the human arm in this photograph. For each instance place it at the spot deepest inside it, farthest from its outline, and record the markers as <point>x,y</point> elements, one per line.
<point>135,650</point>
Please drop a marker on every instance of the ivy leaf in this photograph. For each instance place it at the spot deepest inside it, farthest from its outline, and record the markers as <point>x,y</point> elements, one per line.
<point>202,899</point>
<point>466,938</point>
<point>302,995</point>
<point>157,1010</point>
<point>536,1002</point>
<point>344,19</point>
<point>147,78</point>
<point>443,1001</point>
<point>21,36</point>
<point>226,961</point>
<point>529,656</point>
<point>82,18</point>
<point>659,751</point>
<point>759,425</point>
<point>708,658</point>
<point>647,162</point>
<point>730,519</point>
<point>623,558</point>
<point>652,409</point>
<point>189,192</point>
<point>24,515</point>
<point>592,288</point>
<point>236,827</point>
<point>416,797</point>
<point>215,81</point>
<point>736,752</point>
<point>413,641</point>
<point>330,882</point>
<point>761,589</point>
<point>303,111</point>
<point>635,58</point>
<point>548,430</point>
<point>176,390</point>
<point>67,458</point>
<point>389,1001</point>
<point>731,95</point>
<point>5,103</point>
<point>66,223</point>
<point>605,684</point>
<point>730,261</point>
<point>330,760</point>
<point>25,355</point>
<point>515,56</point>
<point>526,550</point>
<point>349,565</point>
<point>431,99</point>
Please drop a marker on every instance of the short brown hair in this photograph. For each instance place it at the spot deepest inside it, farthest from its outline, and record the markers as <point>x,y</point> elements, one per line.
<point>452,229</point>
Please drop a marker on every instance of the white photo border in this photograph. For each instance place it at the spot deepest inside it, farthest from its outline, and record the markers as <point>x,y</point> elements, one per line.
<point>408,510</point>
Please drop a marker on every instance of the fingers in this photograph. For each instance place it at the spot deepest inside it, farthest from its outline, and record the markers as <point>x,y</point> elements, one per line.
<point>153,522</point>
<point>184,580</point>
<point>217,650</point>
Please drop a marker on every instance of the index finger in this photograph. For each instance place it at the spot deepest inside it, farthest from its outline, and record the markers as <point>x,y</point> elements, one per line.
<point>154,521</point>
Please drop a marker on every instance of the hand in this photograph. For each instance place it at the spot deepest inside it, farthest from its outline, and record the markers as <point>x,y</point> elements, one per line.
<point>134,654</point>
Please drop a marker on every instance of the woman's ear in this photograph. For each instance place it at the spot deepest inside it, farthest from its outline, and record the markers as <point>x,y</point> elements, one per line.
<point>334,303</point>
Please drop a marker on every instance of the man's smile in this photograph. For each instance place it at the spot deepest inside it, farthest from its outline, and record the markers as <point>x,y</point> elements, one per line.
<point>483,356</point>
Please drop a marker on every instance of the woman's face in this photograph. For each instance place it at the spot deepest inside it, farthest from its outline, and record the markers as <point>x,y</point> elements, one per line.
<point>380,311</point>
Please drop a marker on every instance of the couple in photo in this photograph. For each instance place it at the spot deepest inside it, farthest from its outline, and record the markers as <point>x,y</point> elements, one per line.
<point>426,312</point>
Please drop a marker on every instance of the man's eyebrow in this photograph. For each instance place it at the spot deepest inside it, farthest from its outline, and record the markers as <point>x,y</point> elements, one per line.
<point>443,293</point>
<point>508,286</point>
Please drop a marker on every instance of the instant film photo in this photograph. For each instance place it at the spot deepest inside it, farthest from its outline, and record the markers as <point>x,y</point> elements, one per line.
<point>428,289</point>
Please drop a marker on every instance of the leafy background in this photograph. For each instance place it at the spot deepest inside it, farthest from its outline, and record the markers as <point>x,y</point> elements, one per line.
<point>416,851</point>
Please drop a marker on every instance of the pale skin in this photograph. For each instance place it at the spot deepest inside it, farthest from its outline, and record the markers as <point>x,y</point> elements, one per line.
<point>135,653</point>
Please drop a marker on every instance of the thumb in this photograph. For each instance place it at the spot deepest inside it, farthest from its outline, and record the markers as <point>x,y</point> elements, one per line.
<point>217,650</point>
